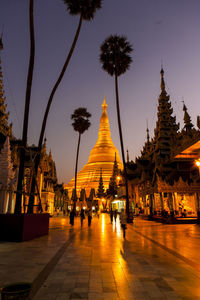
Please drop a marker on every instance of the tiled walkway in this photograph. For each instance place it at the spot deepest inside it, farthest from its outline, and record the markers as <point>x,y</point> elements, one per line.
<point>155,261</point>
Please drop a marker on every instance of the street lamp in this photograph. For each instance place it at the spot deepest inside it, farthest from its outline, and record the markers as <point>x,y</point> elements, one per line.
<point>197,162</point>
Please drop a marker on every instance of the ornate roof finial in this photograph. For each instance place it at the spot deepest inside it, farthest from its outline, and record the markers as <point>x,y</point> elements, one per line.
<point>187,120</point>
<point>162,85</point>
<point>104,105</point>
<point>127,156</point>
<point>148,135</point>
<point>50,155</point>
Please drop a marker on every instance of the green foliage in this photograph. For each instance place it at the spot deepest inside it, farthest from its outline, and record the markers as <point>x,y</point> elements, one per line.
<point>115,56</point>
<point>85,8</point>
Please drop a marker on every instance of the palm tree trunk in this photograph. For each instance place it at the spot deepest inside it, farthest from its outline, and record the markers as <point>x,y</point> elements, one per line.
<point>122,144</point>
<point>37,159</point>
<point>76,167</point>
<point>26,110</point>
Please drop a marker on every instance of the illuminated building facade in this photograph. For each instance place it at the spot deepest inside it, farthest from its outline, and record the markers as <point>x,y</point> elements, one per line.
<point>164,179</point>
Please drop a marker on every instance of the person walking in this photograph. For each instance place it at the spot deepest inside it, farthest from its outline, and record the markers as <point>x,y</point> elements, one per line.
<point>123,220</point>
<point>111,215</point>
<point>82,215</point>
<point>71,217</point>
<point>115,215</point>
<point>89,217</point>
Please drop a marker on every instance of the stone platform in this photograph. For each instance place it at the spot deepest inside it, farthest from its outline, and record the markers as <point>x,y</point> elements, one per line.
<point>155,261</point>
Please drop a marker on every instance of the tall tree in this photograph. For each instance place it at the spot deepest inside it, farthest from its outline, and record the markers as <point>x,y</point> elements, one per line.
<point>26,110</point>
<point>80,124</point>
<point>115,59</point>
<point>86,9</point>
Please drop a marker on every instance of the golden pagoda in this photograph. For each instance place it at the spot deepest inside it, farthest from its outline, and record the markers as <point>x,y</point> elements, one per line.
<point>102,157</point>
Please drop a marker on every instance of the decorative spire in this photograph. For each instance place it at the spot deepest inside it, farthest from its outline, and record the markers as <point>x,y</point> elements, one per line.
<point>50,156</point>
<point>115,168</point>
<point>162,85</point>
<point>104,105</point>
<point>187,120</point>
<point>148,139</point>
<point>165,133</point>
<point>127,156</point>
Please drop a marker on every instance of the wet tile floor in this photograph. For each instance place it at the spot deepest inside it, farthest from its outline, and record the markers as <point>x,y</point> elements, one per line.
<point>155,261</point>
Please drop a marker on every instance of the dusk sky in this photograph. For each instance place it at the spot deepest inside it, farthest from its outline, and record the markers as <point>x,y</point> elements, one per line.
<point>160,31</point>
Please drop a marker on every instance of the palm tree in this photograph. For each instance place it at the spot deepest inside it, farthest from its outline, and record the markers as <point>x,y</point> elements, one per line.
<point>80,124</point>
<point>115,60</point>
<point>86,9</point>
<point>26,110</point>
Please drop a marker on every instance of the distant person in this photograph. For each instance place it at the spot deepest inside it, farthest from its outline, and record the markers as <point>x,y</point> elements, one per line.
<point>98,213</point>
<point>82,215</point>
<point>89,217</point>
<point>115,215</point>
<point>123,220</point>
<point>71,217</point>
<point>111,215</point>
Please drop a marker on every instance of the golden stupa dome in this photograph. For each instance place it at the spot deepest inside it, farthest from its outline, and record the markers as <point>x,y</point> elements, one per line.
<point>102,156</point>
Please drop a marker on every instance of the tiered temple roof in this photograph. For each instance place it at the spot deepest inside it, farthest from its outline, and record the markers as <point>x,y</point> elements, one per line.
<point>163,157</point>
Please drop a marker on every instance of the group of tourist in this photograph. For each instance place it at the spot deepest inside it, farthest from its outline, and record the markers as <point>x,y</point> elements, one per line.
<point>82,217</point>
<point>88,213</point>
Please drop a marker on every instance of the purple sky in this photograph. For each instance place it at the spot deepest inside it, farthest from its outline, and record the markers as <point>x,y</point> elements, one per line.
<point>159,30</point>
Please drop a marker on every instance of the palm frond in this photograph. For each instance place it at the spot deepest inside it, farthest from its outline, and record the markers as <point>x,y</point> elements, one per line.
<point>86,8</point>
<point>80,119</point>
<point>114,56</point>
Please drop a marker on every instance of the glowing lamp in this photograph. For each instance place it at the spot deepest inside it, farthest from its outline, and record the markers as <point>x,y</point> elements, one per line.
<point>197,162</point>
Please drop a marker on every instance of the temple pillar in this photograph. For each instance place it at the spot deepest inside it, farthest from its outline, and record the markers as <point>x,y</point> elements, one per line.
<point>10,202</point>
<point>3,201</point>
<point>151,206</point>
<point>161,203</point>
<point>171,206</point>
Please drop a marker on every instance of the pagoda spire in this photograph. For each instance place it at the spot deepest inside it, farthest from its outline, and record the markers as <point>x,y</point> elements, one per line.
<point>162,84</point>
<point>104,105</point>
<point>115,167</point>
<point>187,120</point>
<point>127,159</point>
<point>147,145</point>
<point>165,133</point>
<point>5,129</point>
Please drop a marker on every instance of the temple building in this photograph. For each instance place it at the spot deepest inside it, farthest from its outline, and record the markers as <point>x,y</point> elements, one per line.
<point>9,163</point>
<point>101,160</point>
<point>164,179</point>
